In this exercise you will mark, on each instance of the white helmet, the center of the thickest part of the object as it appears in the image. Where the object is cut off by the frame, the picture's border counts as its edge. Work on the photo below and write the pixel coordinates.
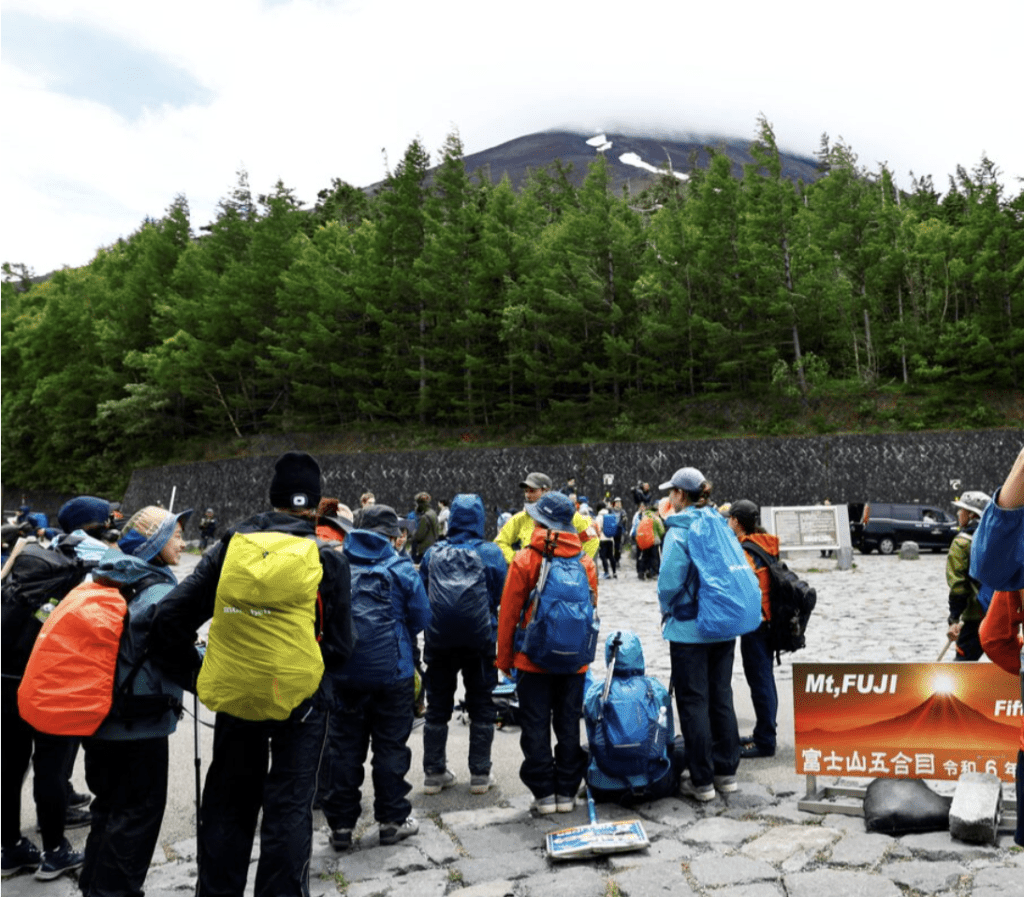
(974, 502)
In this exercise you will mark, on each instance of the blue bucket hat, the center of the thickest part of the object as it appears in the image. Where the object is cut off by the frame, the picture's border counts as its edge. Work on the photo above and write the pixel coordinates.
(149, 530)
(553, 510)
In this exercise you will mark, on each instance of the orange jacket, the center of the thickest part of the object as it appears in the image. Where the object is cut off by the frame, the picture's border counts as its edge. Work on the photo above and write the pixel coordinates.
(770, 544)
(522, 577)
(1000, 635)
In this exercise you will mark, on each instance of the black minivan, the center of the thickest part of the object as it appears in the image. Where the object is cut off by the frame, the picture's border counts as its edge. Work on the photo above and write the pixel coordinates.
(884, 526)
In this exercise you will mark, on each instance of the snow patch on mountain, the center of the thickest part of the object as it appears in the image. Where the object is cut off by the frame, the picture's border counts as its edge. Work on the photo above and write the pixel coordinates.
(601, 143)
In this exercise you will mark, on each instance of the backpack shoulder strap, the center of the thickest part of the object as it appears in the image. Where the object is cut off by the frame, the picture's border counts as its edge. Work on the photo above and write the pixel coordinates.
(758, 552)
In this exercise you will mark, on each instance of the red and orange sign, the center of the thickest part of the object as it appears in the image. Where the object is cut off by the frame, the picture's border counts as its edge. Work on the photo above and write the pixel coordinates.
(906, 720)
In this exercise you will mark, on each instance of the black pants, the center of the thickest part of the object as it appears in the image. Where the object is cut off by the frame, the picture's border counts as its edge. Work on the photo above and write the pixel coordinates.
(546, 701)
(479, 678)
(129, 782)
(51, 757)
(273, 765)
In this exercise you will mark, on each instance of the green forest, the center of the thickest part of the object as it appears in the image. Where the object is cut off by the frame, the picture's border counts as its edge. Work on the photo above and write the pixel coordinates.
(448, 307)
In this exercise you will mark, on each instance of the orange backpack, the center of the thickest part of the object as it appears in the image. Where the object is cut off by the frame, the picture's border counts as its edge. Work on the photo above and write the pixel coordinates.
(645, 533)
(68, 686)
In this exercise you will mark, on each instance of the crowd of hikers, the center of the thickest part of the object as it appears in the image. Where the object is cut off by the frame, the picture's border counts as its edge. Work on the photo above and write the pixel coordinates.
(330, 631)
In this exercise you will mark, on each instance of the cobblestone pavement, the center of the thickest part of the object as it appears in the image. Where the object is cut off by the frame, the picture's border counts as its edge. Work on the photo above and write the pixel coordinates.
(754, 843)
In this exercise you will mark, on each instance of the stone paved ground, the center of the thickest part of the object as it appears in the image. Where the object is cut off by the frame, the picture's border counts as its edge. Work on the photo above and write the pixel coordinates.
(754, 843)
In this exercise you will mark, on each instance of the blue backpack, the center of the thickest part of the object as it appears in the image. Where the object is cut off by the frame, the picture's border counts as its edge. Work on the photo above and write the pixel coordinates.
(459, 602)
(728, 594)
(376, 657)
(610, 525)
(562, 633)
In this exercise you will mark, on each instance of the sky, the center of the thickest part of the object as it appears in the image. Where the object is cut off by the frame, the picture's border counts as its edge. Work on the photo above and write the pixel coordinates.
(112, 108)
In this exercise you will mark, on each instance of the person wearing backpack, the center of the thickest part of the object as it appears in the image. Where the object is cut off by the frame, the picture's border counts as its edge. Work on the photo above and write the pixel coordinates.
(550, 649)
(634, 756)
(373, 690)
(126, 759)
(280, 608)
(607, 523)
(756, 647)
(463, 576)
(701, 666)
(647, 534)
(38, 579)
(426, 531)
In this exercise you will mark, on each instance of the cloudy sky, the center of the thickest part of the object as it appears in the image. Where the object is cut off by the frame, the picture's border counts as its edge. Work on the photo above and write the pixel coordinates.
(113, 107)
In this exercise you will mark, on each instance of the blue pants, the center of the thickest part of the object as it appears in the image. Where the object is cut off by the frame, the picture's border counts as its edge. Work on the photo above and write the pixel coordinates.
(702, 678)
(381, 716)
(271, 764)
(756, 652)
(479, 677)
(546, 701)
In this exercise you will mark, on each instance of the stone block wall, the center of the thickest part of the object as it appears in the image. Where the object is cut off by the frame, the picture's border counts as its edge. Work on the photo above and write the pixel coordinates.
(925, 467)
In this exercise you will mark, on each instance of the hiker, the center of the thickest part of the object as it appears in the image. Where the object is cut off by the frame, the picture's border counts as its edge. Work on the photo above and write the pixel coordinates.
(516, 532)
(701, 668)
(549, 699)
(997, 561)
(267, 747)
(126, 759)
(59, 806)
(463, 576)
(207, 529)
(647, 534)
(426, 531)
(756, 647)
(607, 523)
(333, 520)
(634, 756)
(444, 514)
(374, 690)
(965, 605)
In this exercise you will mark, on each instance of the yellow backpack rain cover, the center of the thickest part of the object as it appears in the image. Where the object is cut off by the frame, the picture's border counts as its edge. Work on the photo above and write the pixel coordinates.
(262, 659)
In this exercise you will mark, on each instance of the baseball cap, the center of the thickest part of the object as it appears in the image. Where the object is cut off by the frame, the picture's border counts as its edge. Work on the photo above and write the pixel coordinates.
(745, 511)
(689, 479)
(536, 481)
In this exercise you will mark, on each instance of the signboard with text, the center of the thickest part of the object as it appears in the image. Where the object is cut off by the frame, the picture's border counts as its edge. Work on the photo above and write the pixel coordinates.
(906, 720)
(824, 527)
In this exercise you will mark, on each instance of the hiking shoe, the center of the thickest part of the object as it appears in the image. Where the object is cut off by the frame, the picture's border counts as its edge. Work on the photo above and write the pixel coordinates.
(393, 832)
(750, 751)
(341, 839)
(56, 862)
(702, 793)
(436, 782)
(23, 855)
(79, 800)
(545, 806)
(564, 804)
(726, 784)
(76, 817)
(481, 784)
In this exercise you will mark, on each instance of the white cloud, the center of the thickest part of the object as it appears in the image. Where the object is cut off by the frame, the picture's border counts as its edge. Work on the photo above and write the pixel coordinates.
(313, 89)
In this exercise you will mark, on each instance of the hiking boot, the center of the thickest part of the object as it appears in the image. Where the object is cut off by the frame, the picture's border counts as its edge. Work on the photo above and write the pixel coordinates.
(341, 839)
(436, 782)
(56, 862)
(481, 784)
(393, 832)
(79, 800)
(726, 784)
(564, 804)
(751, 751)
(702, 793)
(75, 817)
(22, 856)
(545, 806)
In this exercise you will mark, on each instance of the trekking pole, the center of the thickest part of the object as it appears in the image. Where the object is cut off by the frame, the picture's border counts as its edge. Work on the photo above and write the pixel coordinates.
(199, 763)
(19, 547)
(608, 675)
(945, 648)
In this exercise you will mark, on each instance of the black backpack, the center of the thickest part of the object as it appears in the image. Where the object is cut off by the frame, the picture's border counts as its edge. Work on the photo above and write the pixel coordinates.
(791, 600)
(40, 576)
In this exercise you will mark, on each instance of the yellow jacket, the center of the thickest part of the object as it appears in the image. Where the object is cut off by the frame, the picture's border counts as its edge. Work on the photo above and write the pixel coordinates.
(520, 529)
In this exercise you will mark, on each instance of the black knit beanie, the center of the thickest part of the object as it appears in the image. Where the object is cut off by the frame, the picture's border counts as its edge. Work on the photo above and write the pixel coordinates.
(296, 482)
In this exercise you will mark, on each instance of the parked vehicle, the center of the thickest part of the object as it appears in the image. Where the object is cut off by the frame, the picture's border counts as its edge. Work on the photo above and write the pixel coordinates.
(884, 526)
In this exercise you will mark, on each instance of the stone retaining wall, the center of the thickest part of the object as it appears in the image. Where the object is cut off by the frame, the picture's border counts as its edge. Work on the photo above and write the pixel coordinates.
(925, 467)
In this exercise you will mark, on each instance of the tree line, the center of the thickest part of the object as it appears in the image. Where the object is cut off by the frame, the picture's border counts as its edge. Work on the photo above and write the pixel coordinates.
(447, 300)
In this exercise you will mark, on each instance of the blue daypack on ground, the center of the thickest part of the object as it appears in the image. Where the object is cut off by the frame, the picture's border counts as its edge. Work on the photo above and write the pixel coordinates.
(459, 601)
(630, 729)
(562, 633)
(728, 594)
